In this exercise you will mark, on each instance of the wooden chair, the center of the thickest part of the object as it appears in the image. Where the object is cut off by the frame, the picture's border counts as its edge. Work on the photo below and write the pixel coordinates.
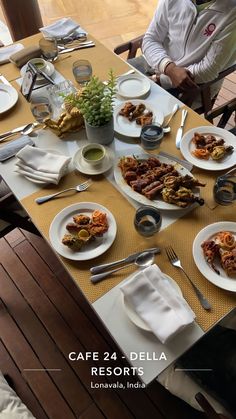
(9, 214)
(225, 111)
(131, 48)
(207, 408)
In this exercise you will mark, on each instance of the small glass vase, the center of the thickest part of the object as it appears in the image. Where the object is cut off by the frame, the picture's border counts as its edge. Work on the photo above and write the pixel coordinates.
(100, 135)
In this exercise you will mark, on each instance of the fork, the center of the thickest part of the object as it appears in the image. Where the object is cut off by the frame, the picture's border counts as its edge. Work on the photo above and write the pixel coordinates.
(175, 261)
(79, 188)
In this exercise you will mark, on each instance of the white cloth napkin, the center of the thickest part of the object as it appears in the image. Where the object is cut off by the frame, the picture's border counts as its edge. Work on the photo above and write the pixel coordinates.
(61, 28)
(156, 300)
(41, 165)
(6, 52)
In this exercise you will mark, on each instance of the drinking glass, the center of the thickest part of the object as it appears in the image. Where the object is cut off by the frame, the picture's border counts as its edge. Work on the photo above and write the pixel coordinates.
(224, 190)
(147, 220)
(49, 48)
(82, 70)
(40, 108)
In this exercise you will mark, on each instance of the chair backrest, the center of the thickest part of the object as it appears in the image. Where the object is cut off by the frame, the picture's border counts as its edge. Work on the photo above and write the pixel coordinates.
(131, 47)
(225, 111)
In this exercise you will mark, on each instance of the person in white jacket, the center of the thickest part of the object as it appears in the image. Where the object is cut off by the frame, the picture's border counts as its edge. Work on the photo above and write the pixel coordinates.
(189, 42)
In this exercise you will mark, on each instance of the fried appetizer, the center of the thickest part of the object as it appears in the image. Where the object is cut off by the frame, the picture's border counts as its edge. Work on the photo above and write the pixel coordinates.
(85, 229)
(211, 250)
(81, 219)
(225, 240)
(72, 242)
(223, 248)
(228, 261)
(151, 177)
(207, 146)
(137, 113)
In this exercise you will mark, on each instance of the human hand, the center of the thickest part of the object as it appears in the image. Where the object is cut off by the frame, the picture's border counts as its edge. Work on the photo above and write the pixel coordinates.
(180, 77)
(156, 79)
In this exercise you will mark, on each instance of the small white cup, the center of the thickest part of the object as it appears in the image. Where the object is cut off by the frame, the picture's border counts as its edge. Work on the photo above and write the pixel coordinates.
(39, 63)
(93, 154)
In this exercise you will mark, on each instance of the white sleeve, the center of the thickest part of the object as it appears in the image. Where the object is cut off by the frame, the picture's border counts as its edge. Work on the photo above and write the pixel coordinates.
(222, 53)
(152, 47)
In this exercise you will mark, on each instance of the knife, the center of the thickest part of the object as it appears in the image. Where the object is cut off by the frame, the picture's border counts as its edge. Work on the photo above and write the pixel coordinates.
(4, 80)
(78, 47)
(13, 131)
(128, 259)
(180, 130)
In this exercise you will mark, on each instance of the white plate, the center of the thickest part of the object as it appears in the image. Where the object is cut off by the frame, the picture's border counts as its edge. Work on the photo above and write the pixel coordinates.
(134, 317)
(222, 280)
(187, 146)
(93, 249)
(133, 86)
(159, 203)
(130, 129)
(8, 97)
(87, 169)
(49, 70)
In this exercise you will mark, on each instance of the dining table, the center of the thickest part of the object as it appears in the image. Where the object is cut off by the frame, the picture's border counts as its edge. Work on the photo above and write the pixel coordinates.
(179, 228)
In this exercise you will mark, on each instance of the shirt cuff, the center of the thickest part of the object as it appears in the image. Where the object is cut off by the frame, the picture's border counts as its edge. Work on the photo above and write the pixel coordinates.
(165, 82)
(163, 64)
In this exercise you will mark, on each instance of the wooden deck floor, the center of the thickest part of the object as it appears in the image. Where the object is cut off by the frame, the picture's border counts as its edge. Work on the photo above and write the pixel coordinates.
(43, 317)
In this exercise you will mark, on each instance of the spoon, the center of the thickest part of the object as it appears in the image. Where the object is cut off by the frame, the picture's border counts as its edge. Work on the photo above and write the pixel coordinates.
(166, 128)
(144, 260)
(25, 131)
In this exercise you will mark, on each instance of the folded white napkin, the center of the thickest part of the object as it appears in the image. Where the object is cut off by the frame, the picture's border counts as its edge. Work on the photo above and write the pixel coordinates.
(156, 300)
(61, 28)
(38, 164)
(6, 52)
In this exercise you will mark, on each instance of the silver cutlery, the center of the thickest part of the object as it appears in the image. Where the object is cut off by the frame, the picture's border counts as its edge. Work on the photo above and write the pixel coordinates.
(62, 47)
(179, 134)
(142, 261)
(78, 47)
(4, 80)
(175, 109)
(16, 130)
(79, 188)
(175, 261)
(128, 259)
(25, 131)
(184, 163)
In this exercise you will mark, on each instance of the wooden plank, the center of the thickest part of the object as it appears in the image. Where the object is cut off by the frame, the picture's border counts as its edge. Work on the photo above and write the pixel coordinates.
(39, 381)
(7, 366)
(72, 315)
(41, 342)
(92, 413)
(60, 332)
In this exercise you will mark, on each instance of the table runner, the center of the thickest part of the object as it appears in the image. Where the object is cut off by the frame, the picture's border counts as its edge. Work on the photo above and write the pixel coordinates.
(179, 234)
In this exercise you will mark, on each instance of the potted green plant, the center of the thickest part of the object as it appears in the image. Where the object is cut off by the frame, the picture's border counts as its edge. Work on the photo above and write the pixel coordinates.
(95, 102)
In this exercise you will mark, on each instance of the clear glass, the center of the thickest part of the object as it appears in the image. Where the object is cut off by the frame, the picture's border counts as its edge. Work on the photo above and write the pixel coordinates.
(147, 220)
(151, 136)
(49, 48)
(82, 70)
(40, 108)
(57, 93)
(224, 190)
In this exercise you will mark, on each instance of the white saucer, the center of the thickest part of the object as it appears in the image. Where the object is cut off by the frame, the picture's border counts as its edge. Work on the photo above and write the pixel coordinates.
(133, 86)
(87, 169)
(49, 70)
